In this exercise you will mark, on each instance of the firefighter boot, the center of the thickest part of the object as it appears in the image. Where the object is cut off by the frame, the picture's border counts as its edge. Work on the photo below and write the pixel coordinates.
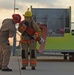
(33, 68)
(33, 60)
(23, 68)
(24, 62)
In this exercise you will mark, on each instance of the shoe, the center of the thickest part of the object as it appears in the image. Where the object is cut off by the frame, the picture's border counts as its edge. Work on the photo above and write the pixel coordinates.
(23, 68)
(6, 69)
(28, 53)
(33, 68)
(0, 68)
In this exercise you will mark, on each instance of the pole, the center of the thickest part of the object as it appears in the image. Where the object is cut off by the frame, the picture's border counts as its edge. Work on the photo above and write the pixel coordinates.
(14, 44)
(14, 6)
(14, 38)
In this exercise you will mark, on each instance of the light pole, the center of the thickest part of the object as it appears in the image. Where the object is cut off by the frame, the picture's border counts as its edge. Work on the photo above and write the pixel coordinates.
(14, 38)
(14, 6)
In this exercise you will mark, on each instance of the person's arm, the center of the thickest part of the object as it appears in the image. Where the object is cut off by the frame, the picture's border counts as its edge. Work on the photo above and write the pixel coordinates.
(37, 34)
(37, 28)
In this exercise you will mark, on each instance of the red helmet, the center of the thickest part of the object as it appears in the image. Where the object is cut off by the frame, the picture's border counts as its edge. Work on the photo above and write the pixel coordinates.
(16, 18)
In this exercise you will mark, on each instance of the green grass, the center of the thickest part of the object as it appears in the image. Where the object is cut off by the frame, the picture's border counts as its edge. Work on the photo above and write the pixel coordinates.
(60, 43)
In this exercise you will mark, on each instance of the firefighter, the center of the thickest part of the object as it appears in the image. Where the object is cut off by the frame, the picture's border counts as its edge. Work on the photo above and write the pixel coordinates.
(7, 31)
(30, 35)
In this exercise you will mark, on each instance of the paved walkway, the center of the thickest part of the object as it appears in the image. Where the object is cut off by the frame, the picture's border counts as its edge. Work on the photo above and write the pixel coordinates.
(43, 68)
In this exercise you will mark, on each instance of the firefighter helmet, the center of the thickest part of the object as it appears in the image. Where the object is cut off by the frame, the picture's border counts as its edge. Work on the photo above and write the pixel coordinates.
(28, 13)
(16, 18)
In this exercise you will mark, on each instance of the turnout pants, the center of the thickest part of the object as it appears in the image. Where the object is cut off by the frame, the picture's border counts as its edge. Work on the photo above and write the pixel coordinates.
(32, 48)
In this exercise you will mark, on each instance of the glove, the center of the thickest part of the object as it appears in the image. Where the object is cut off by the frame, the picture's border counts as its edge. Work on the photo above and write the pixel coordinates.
(41, 41)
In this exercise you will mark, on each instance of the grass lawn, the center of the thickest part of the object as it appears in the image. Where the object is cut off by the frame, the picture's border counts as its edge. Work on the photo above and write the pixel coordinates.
(60, 43)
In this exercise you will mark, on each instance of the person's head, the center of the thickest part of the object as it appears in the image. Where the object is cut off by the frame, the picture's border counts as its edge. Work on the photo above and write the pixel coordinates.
(27, 15)
(16, 18)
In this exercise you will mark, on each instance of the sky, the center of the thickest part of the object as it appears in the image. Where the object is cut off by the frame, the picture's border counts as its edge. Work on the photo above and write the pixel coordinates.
(7, 6)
